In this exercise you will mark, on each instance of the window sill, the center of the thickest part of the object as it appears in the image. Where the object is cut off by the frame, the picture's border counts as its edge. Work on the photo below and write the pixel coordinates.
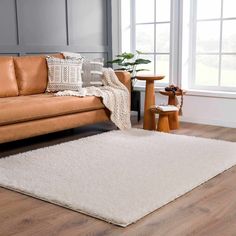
(198, 93)
(210, 93)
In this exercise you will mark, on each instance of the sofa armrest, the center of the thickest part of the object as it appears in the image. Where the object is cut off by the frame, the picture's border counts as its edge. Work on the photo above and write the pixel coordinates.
(124, 78)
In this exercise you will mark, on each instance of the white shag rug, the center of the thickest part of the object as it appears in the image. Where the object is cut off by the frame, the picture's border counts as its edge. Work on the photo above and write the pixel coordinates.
(119, 176)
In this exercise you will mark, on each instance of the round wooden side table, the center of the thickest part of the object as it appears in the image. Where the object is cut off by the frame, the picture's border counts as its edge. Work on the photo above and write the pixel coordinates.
(149, 117)
(173, 118)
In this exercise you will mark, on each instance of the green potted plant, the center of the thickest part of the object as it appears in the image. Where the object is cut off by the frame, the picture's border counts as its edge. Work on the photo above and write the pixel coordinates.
(131, 63)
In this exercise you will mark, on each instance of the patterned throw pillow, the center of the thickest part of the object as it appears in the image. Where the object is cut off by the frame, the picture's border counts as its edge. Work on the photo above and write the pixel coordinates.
(71, 55)
(91, 69)
(64, 74)
(92, 72)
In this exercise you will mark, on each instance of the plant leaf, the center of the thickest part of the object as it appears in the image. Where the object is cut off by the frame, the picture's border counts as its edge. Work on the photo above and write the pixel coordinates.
(122, 69)
(139, 52)
(128, 64)
(141, 70)
(126, 55)
(141, 61)
(115, 61)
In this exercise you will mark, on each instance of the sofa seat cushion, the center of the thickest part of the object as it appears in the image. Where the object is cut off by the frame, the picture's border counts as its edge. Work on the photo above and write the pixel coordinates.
(33, 107)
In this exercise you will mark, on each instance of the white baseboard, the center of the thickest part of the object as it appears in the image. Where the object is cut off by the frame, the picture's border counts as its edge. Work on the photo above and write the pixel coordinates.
(222, 123)
(229, 124)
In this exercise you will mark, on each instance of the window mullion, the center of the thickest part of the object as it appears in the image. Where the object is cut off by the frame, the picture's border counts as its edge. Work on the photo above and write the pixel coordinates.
(155, 46)
(172, 45)
(133, 25)
(220, 48)
(193, 41)
(175, 42)
(179, 37)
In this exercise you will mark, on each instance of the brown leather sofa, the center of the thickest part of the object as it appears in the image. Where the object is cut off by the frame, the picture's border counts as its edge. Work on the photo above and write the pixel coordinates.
(27, 111)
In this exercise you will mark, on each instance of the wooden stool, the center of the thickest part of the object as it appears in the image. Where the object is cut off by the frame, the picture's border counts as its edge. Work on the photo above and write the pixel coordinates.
(163, 124)
(174, 117)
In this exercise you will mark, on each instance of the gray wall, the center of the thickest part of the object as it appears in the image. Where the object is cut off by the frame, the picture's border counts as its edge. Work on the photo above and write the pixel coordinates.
(49, 26)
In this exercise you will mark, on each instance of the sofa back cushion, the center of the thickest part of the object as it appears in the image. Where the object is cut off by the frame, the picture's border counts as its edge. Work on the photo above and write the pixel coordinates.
(31, 74)
(8, 84)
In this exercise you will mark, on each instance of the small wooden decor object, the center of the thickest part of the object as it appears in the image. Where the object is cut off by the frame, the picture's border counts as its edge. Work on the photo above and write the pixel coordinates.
(174, 117)
(149, 117)
(163, 124)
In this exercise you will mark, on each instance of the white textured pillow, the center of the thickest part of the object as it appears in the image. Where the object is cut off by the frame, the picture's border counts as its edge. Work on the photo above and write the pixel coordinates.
(64, 74)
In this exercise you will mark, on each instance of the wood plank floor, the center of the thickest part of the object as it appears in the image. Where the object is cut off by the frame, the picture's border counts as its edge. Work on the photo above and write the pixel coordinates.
(209, 210)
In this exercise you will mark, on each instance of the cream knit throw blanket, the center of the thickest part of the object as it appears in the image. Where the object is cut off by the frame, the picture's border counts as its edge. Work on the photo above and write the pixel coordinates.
(115, 97)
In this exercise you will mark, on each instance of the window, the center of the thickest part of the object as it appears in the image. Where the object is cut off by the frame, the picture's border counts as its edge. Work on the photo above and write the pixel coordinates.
(213, 45)
(151, 33)
(191, 42)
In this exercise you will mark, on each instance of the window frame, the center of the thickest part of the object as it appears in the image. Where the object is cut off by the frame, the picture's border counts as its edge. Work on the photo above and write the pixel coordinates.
(193, 53)
(181, 65)
(174, 44)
